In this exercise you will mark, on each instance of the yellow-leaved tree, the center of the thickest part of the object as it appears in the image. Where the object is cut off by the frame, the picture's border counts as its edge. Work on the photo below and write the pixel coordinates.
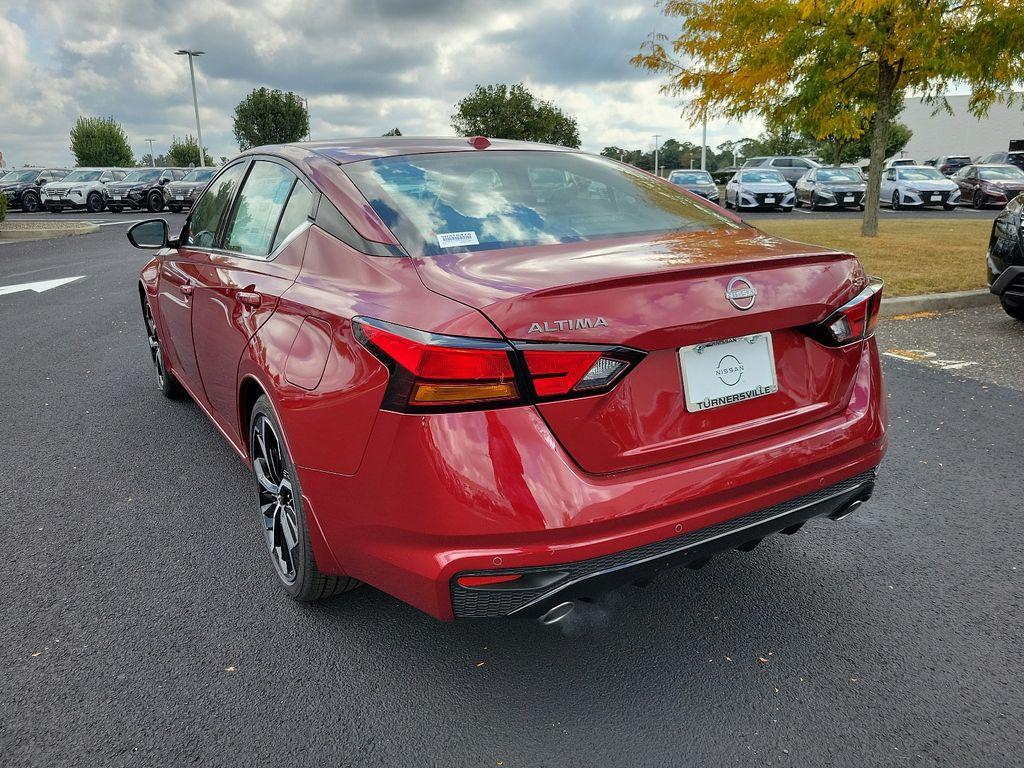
(841, 66)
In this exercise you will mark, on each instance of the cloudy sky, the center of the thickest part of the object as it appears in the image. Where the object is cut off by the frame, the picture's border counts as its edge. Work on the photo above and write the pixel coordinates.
(365, 66)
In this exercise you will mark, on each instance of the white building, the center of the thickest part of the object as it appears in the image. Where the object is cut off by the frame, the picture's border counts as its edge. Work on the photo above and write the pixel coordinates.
(960, 133)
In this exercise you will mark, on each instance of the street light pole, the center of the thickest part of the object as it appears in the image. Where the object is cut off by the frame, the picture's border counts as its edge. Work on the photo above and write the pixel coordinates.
(195, 101)
(704, 143)
(656, 137)
(152, 160)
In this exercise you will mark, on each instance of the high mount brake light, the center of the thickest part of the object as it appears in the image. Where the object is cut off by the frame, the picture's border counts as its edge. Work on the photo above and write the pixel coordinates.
(434, 372)
(854, 321)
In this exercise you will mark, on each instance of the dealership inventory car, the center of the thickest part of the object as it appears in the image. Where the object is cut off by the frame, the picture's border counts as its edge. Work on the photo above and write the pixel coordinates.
(181, 194)
(490, 398)
(759, 188)
(142, 188)
(917, 186)
(1006, 258)
(23, 187)
(1013, 157)
(82, 188)
(790, 166)
(698, 182)
(987, 185)
(831, 187)
(950, 164)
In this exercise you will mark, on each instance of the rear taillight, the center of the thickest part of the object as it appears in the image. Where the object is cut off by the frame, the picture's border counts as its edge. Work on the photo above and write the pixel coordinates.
(431, 372)
(854, 321)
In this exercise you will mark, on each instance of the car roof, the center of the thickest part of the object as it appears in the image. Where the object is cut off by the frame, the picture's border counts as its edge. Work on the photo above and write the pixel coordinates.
(344, 151)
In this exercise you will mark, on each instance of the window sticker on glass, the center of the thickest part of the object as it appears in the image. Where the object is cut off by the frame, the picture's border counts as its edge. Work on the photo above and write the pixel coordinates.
(453, 239)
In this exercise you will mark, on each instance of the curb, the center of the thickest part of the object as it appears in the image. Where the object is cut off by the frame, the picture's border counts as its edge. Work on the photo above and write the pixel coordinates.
(936, 302)
(19, 234)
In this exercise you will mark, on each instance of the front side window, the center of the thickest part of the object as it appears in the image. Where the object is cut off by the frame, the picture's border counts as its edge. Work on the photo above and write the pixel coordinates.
(260, 204)
(782, 162)
(206, 216)
(443, 202)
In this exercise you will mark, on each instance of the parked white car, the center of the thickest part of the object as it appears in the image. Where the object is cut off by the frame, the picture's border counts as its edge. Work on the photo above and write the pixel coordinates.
(82, 188)
(916, 186)
(759, 188)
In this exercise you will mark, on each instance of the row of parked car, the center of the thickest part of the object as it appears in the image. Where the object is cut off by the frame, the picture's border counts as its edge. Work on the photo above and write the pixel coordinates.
(98, 189)
(785, 183)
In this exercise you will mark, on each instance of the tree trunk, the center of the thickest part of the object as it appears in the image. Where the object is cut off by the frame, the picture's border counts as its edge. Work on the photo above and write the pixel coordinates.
(837, 151)
(888, 77)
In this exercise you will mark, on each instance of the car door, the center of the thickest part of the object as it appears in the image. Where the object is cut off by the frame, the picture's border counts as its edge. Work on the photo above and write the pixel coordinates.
(238, 283)
(965, 180)
(180, 269)
(888, 185)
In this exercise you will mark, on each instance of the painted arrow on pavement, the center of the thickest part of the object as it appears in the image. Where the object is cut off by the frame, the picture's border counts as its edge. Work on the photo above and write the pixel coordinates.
(43, 285)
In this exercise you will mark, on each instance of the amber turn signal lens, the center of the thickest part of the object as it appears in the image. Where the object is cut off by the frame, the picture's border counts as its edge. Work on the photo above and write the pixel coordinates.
(425, 393)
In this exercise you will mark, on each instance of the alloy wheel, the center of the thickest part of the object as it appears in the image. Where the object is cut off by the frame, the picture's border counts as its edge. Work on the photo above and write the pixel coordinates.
(154, 345)
(979, 200)
(29, 203)
(276, 499)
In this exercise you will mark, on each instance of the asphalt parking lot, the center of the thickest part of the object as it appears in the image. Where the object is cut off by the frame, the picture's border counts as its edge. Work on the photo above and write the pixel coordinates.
(143, 625)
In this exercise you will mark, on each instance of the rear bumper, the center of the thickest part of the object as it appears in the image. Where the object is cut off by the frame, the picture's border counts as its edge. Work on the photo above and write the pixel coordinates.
(440, 495)
(549, 586)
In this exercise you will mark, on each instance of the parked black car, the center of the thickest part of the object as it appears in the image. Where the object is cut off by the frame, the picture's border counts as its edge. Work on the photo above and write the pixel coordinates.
(790, 166)
(1003, 158)
(181, 194)
(699, 182)
(22, 186)
(142, 188)
(831, 187)
(1006, 258)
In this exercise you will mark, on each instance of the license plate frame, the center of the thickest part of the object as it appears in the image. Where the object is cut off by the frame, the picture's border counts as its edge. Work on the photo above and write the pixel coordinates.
(711, 380)
(936, 198)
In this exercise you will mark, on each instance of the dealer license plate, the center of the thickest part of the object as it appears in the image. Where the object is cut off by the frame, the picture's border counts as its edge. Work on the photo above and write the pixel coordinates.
(179, 197)
(769, 199)
(730, 371)
(848, 199)
(936, 198)
(115, 197)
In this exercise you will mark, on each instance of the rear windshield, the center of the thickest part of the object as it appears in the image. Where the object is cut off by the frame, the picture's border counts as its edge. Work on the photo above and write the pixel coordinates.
(958, 159)
(446, 202)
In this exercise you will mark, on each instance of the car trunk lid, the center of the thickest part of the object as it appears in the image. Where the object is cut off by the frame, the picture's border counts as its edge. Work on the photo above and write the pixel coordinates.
(659, 295)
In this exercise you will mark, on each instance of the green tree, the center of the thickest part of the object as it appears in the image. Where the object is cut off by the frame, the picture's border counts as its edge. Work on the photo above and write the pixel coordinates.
(185, 152)
(100, 141)
(764, 57)
(899, 136)
(392, 132)
(270, 117)
(512, 112)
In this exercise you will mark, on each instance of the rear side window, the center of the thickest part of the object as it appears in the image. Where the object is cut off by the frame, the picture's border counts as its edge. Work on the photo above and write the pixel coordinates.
(446, 202)
(203, 223)
(296, 213)
(260, 204)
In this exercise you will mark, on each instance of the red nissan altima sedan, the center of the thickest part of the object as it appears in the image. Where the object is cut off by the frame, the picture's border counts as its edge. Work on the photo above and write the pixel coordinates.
(494, 378)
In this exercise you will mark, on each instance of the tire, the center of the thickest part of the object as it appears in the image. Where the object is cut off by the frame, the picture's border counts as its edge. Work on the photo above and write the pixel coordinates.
(860, 207)
(116, 208)
(978, 201)
(154, 202)
(282, 515)
(94, 202)
(949, 207)
(165, 381)
(798, 202)
(786, 208)
(1016, 312)
(896, 206)
(174, 208)
(812, 205)
(30, 201)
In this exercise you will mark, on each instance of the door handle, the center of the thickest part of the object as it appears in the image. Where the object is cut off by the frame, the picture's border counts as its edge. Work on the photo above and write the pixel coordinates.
(249, 298)
(187, 288)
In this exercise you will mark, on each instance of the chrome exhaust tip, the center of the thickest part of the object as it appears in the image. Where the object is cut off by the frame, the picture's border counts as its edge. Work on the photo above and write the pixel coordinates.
(853, 506)
(558, 613)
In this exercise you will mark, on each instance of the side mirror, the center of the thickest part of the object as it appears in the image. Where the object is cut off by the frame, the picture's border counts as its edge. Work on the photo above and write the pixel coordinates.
(40, 182)
(164, 181)
(149, 235)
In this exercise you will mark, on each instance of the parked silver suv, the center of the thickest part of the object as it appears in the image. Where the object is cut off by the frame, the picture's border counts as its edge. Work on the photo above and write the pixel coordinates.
(790, 166)
(82, 188)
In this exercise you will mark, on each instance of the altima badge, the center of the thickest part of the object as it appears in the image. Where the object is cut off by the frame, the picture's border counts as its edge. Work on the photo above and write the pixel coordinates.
(741, 293)
(578, 324)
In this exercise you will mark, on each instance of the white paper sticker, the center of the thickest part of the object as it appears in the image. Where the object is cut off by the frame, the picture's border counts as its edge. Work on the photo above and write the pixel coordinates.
(453, 239)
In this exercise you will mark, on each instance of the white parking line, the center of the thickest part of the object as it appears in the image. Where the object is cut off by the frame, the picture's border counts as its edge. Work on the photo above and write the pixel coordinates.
(801, 210)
